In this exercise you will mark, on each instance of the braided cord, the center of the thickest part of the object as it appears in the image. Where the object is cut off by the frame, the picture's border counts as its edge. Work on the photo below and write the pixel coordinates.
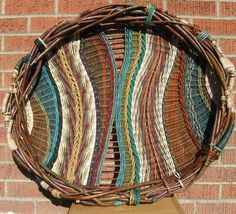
(135, 112)
(143, 40)
(130, 174)
(142, 44)
(89, 132)
(78, 105)
(57, 167)
(121, 79)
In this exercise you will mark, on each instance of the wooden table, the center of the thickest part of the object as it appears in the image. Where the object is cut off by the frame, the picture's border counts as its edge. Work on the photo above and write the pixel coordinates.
(167, 205)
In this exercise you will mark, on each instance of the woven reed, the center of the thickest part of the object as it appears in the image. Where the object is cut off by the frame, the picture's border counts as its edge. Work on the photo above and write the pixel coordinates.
(125, 104)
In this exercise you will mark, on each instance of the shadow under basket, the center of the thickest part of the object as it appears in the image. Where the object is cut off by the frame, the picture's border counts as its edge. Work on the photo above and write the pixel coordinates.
(125, 104)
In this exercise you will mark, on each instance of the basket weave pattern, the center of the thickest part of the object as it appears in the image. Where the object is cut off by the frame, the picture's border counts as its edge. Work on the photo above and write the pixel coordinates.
(124, 105)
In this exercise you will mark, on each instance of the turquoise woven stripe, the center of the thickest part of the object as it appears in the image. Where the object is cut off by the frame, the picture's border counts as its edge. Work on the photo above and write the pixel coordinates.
(221, 145)
(197, 109)
(119, 203)
(113, 107)
(121, 80)
(23, 60)
(136, 196)
(47, 93)
(188, 97)
(131, 134)
(151, 11)
(202, 36)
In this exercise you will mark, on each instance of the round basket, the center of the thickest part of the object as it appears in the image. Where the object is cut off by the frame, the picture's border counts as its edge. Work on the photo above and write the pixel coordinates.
(125, 104)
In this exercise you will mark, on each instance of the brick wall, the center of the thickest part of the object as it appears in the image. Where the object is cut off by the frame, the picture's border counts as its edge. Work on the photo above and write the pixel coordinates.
(21, 21)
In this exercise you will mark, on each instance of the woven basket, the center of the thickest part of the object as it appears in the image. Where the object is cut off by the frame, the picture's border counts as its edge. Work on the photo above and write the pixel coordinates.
(124, 105)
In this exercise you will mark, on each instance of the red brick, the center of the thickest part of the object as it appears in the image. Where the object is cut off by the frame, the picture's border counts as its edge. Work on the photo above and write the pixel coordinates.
(228, 156)
(229, 191)
(9, 156)
(228, 9)
(19, 43)
(2, 95)
(76, 7)
(216, 26)
(205, 8)
(23, 189)
(1, 41)
(1, 120)
(41, 24)
(10, 171)
(5, 154)
(13, 25)
(8, 61)
(1, 79)
(216, 163)
(215, 208)
(1, 189)
(7, 76)
(233, 60)
(29, 7)
(48, 207)
(5, 80)
(219, 174)
(19, 207)
(202, 191)
(228, 46)
(234, 99)
(188, 208)
(3, 136)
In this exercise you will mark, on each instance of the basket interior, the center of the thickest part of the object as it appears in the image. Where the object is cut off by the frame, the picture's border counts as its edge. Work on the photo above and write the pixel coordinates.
(121, 106)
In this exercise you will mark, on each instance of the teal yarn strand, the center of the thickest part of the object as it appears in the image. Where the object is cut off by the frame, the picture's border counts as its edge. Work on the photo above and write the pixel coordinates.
(113, 107)
(136, 196)
(119, 203)
(54, 118)
(151, 10)
(132, 140)
(196, 120)
(199, 109)
(24, 59)
(123, 72)
(202, 36)
(131, 134)
(221, 145)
